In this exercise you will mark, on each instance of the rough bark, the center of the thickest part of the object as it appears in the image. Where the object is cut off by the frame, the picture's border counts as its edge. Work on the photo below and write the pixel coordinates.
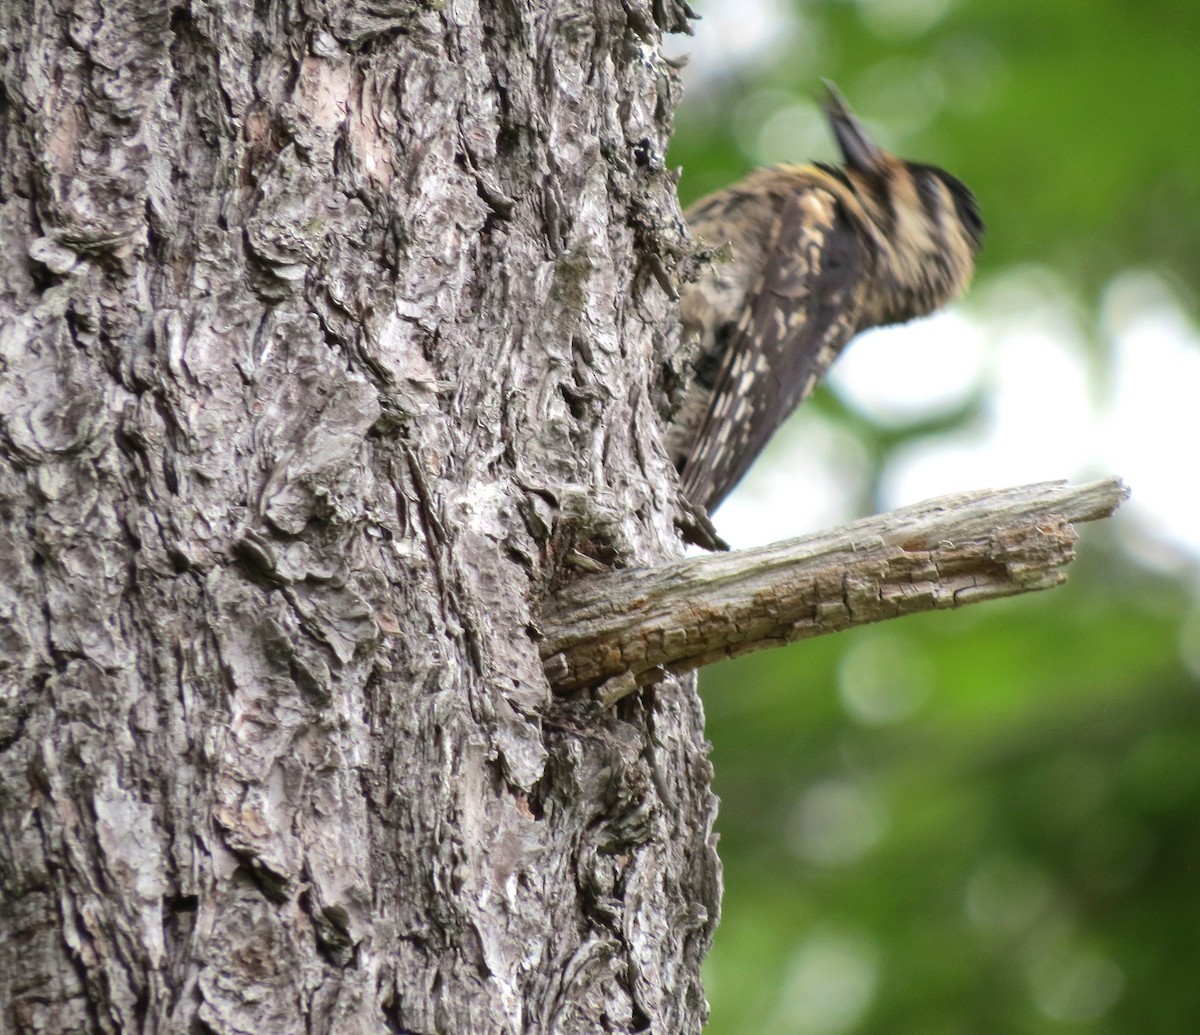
(329, 330)
(615, 632)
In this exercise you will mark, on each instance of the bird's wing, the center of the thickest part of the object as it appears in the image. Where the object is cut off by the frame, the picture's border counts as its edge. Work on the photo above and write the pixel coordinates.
(796, 320)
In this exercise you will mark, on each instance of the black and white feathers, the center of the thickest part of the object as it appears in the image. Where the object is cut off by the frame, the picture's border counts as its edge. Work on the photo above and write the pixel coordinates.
(818, 254)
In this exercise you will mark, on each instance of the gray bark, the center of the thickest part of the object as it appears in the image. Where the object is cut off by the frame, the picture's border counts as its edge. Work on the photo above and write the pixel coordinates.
(331, 330)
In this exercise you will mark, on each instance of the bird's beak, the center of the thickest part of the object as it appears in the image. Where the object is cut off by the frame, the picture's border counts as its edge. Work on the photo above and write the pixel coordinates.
(859, 151)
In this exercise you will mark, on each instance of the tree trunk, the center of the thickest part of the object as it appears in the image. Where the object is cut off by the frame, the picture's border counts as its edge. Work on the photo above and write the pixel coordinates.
(333, 332)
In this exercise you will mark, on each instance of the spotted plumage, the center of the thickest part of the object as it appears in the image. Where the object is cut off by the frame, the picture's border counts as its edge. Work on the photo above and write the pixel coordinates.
(818, 254)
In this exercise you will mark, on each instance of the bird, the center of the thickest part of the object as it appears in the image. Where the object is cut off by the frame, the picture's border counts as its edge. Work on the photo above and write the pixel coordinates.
(813, 254)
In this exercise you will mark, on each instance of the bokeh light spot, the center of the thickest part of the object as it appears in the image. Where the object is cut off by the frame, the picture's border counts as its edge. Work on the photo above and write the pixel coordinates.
(1006, 895)
(829, 984)
(894, 19)
(836, 822)
(883, 678)
(1074, 985)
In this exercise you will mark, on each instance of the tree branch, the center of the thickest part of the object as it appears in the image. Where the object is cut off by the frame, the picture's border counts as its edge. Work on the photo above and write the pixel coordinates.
(619, 630)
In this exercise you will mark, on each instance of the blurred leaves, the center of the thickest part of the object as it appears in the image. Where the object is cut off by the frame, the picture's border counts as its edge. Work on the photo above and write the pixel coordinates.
(987, 821)
(1001, 808)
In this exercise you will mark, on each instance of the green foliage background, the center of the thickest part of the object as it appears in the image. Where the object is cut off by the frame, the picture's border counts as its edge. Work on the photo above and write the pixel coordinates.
(987, 821)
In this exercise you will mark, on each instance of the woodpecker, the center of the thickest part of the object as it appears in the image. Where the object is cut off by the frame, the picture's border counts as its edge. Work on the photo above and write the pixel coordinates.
(815, 254)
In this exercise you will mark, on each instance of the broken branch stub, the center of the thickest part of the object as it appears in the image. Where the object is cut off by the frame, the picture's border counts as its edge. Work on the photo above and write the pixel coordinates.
(616, 631)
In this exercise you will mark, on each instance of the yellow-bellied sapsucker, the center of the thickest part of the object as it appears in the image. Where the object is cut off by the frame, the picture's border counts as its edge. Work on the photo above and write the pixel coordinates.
(818, 254)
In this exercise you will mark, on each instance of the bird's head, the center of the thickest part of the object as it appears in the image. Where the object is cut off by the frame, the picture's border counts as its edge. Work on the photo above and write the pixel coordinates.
(927, 221)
